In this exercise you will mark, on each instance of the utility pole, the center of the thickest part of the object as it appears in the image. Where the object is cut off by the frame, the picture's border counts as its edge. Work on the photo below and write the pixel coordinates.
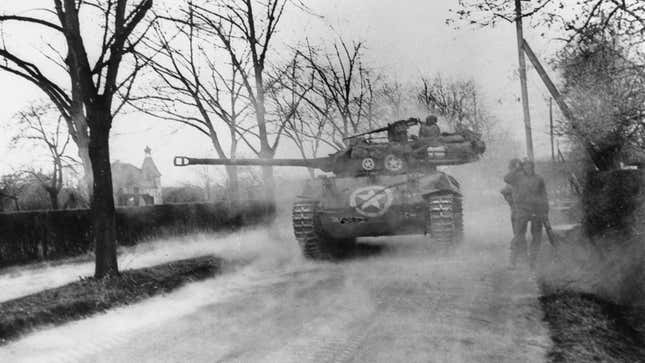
(551, 128)
(475, 107)
(522, 69)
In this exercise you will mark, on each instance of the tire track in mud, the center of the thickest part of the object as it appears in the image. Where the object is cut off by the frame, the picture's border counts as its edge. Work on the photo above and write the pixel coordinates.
(331, 334)
(345, 336)
(343, 348)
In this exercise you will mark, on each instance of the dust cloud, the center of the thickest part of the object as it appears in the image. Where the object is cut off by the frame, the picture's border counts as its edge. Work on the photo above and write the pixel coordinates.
(259, 256)
(397, 292)
(610, 270)
(266, 245)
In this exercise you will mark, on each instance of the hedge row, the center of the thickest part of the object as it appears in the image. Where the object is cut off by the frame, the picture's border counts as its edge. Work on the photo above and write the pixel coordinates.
(614, 201)
(31, 236)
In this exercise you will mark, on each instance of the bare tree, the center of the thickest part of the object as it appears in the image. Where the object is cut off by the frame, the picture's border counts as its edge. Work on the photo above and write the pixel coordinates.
(456, 100)
(67, 100)
(94, 83)
(606, 92)
(11, 186)
(246, 29)
(287, 90)
(321, 98)
(342, 80)
(38, 126)
(194, 90)
(395, 100)
(575, 18)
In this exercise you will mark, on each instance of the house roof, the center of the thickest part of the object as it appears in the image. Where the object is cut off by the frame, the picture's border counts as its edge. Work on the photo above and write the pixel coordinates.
(126, 175)
(149, 167)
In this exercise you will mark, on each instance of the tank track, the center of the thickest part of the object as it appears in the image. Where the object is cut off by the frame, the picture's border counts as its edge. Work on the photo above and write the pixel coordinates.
(445, 218)
(311, 242)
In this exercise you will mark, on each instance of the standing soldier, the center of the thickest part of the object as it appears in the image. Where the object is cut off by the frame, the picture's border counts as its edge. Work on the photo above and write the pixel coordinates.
(430, 129)
(530, 203)
(507, 192)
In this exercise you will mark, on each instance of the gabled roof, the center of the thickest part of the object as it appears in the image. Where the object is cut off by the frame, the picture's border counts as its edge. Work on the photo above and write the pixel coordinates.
(149, 167)
(125, 175)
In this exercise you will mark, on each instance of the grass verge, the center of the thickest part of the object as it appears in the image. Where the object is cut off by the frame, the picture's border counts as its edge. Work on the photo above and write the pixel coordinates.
(89, 296)
(585, 328)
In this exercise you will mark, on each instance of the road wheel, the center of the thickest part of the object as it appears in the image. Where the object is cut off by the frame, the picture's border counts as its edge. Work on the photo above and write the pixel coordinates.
(311, 242)
(445, 219)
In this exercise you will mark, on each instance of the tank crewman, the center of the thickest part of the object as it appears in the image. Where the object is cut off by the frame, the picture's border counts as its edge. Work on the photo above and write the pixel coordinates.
(530, 204)
(430, 129)
(507, 191)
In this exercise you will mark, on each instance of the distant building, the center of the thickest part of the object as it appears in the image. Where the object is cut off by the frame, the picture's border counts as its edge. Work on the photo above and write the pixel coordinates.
(137, 186)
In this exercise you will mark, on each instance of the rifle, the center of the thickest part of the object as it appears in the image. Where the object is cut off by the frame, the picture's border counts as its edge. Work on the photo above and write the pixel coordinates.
(549, 232)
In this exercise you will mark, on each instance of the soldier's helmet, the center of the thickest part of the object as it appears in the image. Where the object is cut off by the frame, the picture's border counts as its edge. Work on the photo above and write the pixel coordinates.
(528, 163)
(514, 163)
(431, 120)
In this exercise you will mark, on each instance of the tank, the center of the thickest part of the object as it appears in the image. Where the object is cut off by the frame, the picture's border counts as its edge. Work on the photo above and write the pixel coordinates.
(379, 185)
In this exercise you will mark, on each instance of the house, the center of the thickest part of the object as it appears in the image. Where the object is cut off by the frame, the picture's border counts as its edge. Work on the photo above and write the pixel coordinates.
(137, 186)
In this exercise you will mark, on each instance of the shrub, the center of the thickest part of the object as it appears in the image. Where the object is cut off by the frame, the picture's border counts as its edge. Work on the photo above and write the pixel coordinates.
(613, 201)
(36, 235)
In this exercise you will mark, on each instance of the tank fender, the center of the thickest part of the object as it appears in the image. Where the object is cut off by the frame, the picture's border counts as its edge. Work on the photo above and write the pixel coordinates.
(439, 183)
(312, 189)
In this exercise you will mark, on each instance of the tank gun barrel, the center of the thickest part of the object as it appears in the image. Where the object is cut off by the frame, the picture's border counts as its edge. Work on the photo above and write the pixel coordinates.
(324, 164)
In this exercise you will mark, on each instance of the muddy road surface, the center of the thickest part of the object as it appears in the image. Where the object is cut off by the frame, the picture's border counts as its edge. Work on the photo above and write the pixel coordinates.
(394, 300)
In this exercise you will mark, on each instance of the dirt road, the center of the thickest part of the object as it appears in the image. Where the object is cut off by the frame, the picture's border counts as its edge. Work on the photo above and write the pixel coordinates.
(396, 300)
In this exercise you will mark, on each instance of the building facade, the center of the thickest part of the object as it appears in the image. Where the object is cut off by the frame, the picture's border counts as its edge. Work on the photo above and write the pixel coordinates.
(135, 186)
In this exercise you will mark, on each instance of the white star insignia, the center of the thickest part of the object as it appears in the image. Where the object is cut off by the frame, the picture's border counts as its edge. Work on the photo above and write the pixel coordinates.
(371, 199)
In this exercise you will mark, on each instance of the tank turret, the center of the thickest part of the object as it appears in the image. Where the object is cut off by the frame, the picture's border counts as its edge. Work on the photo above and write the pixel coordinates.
(367, 154)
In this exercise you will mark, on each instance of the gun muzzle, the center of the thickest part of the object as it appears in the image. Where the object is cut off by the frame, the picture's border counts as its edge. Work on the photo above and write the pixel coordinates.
(181, 161)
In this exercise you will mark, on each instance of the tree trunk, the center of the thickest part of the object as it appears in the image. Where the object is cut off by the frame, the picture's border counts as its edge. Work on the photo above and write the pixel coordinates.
(53, 198)
(103, 213)
(269, 184)
(233, 183)
(78, 126)
(84, 154)
(267, 177)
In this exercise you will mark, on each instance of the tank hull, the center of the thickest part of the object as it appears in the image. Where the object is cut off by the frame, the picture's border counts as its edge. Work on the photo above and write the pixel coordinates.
(332, 212)
(399, 220)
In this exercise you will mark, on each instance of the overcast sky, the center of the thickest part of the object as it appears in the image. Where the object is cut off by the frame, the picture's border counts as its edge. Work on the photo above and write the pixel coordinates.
(404, 39)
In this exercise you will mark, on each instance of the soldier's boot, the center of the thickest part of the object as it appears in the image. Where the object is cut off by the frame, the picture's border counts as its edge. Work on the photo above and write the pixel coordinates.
(518, 252)
(534, 253)
(536, 242)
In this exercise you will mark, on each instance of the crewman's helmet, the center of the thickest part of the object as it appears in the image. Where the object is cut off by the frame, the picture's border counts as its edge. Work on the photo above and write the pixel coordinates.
(431, 120)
